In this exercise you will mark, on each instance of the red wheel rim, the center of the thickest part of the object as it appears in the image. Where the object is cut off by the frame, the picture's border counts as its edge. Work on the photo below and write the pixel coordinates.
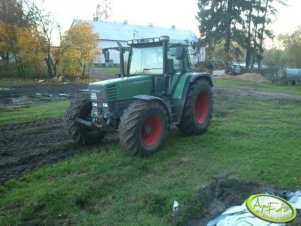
(201, 107)
(151, 130)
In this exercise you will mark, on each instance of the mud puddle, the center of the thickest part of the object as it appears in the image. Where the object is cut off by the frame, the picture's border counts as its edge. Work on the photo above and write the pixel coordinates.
(29, 145)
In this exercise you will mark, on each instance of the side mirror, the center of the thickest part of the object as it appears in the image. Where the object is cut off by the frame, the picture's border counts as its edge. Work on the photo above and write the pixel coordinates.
(180, 52)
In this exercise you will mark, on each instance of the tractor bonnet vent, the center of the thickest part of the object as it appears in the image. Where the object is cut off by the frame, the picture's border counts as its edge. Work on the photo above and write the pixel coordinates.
(111, 92)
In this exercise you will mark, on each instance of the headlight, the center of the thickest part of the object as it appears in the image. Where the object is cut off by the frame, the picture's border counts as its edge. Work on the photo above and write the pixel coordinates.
(105, 105)
(94, 104)
(93, 96)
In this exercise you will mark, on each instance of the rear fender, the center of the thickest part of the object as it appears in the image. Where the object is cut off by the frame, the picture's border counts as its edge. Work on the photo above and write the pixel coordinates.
(180, 103)
(203, 75)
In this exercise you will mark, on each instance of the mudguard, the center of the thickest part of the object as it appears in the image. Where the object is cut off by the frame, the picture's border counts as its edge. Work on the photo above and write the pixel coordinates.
(153, 98)
(205, 75)
(180, 103)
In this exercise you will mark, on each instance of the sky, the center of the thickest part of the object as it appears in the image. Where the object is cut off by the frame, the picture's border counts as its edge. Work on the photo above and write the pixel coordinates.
(164, 13)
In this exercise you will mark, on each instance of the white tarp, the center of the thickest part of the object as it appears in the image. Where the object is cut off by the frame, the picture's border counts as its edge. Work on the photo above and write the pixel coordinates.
(241, 216)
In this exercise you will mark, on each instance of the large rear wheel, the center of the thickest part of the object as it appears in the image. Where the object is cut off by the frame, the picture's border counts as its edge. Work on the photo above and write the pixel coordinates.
(143, 127)
(81, 107)
(197, 111)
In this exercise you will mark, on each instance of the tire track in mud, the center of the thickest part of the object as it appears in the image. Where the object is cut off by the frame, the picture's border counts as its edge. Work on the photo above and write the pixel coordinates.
(30, 145)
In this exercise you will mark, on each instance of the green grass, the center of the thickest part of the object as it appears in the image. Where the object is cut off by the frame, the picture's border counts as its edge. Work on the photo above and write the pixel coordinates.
(260, 86)
(108, 70)
(23, 114)
(252, 140)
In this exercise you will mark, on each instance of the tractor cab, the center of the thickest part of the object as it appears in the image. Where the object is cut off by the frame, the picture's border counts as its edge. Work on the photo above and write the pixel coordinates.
(159, 58)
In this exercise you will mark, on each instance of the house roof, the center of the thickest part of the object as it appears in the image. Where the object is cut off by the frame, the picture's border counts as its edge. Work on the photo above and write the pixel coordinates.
(124, 31)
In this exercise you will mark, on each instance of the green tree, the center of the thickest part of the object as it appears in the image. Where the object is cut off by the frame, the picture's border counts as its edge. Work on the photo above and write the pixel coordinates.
(274, 57)
(218, 21)
(292, 45)
(209, 16)
(242, 22)
(78, 50)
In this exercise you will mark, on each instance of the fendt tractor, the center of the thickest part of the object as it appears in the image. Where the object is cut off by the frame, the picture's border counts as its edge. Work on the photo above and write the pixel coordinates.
(158, 91)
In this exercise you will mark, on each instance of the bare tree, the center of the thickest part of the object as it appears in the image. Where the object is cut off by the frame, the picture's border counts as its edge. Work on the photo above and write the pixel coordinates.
(103, 10)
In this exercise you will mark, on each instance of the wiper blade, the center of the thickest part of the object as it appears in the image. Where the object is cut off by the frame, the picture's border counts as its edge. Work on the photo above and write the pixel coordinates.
(154, 68)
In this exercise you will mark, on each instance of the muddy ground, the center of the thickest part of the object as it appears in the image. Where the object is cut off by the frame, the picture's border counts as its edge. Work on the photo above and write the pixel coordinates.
(30, 145)
(28, 95)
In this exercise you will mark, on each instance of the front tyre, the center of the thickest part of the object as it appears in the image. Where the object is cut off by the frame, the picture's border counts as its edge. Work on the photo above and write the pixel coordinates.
(197, 111)
(143, 128)
(81, 107)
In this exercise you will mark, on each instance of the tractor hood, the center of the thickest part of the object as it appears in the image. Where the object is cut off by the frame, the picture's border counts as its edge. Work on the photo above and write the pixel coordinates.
(121, 88)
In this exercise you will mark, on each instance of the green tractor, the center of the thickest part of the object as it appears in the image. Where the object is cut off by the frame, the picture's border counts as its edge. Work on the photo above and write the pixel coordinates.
(158, 91)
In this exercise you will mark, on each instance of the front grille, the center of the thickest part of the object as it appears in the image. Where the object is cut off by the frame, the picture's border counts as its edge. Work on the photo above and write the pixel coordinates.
(111, 92)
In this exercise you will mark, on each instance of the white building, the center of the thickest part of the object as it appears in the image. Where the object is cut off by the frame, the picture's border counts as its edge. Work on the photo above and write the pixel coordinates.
(111, 32)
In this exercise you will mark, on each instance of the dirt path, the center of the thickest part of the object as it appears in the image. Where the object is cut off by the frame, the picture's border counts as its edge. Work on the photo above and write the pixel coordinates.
(258, 95)
(28, 95)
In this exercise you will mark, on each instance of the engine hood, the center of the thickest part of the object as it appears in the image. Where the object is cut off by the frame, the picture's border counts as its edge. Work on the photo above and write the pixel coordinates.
(121, 88)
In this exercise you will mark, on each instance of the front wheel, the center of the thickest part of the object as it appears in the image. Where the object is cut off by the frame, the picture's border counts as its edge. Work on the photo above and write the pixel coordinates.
(197, 111)
(143, 128)
(81, 107)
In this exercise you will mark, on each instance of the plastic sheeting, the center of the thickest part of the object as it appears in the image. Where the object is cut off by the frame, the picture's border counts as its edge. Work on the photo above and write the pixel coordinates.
(241, 216)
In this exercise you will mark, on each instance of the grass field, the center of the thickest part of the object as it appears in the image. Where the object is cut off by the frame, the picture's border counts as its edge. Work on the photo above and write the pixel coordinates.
(260, 86)
(24, 114)
(256, 140)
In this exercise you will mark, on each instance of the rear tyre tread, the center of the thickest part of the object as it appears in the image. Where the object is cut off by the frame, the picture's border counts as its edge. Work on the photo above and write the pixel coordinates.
(188, 125)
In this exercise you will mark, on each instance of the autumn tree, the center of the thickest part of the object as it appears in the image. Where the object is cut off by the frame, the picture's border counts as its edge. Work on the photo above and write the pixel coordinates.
(79, 48)
(31, 44)
(11, 16)
(45, 25)
(20, 36)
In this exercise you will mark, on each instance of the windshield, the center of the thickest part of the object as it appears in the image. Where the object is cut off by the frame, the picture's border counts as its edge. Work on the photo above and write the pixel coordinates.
(147, 60)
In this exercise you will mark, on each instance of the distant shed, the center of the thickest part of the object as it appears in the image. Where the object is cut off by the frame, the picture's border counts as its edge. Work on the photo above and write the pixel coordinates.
(111, 32)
